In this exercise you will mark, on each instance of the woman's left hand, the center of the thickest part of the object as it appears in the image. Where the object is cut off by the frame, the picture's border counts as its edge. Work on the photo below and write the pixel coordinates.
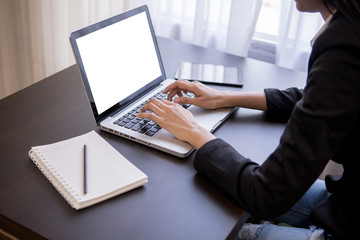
(176, 120)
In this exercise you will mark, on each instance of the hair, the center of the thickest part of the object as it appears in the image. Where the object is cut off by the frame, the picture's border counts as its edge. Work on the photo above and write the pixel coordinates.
(348, 8)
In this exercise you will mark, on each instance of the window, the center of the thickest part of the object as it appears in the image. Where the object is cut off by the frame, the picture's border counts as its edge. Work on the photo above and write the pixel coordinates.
(267, 27)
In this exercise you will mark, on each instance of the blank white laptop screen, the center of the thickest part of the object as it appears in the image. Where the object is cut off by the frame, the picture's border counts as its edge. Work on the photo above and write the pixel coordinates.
(118, 60)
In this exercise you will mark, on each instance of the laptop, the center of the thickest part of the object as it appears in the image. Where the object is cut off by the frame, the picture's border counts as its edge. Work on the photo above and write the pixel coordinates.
(121, 68)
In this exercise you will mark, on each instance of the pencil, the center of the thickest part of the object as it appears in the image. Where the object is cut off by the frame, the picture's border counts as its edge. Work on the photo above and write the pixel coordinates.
(85, 170)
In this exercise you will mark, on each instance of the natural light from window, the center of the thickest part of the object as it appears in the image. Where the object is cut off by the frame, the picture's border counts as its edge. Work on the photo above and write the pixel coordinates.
(268, 22)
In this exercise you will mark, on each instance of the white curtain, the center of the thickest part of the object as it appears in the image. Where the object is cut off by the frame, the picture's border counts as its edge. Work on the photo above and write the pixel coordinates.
(34, 33)
(295, 33)
(34, 39)
(224, 25)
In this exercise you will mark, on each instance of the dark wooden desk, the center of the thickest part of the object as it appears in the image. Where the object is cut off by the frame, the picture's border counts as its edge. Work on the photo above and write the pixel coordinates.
(176, 203)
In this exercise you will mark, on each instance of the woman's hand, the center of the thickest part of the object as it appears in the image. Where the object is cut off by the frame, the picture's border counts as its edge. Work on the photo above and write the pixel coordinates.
(177, 120)
(205, 96)
(210, 98)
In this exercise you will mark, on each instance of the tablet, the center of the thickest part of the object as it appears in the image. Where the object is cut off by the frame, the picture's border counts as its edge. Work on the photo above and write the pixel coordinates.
(209, 73)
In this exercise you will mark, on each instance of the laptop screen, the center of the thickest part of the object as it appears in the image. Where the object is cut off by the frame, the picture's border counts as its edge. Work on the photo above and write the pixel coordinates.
(118, 60)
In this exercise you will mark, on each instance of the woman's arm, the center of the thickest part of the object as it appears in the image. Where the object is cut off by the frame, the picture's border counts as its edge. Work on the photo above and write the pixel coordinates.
(181, 123)
(253, 100)
(210, 98)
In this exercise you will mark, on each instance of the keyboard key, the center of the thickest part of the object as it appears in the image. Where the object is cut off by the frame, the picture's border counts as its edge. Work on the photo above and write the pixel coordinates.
(151, 123)
(136, 120)
(136, 127)
(126, 120)
(121, 124)
(154, 129)
(144, 121)
(150, 133)
(144, 129)
(129, 125)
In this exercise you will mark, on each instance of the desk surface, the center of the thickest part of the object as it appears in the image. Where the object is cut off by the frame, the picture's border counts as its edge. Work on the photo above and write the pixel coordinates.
(176, 203)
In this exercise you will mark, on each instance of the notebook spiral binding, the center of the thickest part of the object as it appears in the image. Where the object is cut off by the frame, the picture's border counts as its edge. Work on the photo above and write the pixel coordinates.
(55, 179)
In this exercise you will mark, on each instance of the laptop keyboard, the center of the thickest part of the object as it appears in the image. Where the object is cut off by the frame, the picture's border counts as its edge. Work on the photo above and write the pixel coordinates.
(142, 125)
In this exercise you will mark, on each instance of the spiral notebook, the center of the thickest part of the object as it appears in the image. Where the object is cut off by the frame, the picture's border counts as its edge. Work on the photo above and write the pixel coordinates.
(108, 172)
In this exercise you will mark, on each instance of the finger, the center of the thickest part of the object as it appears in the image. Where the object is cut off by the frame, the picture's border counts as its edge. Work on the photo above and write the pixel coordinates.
(166, 102)
(184, 100)
(148, 115)
(181, 85)
(166, 105)
(154, 105)
(173, 93)
(150, 106)
(172, 86)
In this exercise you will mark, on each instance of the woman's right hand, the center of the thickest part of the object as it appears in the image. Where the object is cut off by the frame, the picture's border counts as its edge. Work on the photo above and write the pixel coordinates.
(205, 97)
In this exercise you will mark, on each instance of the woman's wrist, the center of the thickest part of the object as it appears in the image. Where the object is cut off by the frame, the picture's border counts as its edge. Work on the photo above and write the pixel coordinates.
(199, 136)
(227, 99)
(253, 100)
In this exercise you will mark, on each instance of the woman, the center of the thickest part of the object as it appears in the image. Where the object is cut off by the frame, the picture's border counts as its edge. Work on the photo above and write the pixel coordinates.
(323, 123)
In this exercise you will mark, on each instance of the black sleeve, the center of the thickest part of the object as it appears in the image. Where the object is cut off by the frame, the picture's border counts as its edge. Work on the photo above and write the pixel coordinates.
(223, 164)
(281, 103)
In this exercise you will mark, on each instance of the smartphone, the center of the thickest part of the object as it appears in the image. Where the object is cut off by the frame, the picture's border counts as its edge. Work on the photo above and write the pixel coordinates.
(209, 73)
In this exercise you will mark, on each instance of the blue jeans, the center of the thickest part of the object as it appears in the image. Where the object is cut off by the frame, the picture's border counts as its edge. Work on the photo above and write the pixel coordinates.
(297, 216)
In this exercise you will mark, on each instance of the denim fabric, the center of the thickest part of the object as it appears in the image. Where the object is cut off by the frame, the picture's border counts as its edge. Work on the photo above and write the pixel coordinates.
(297, 216)
(269, 231)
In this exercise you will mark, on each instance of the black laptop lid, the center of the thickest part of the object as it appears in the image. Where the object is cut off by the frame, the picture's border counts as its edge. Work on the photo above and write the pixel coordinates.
(118, 60)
